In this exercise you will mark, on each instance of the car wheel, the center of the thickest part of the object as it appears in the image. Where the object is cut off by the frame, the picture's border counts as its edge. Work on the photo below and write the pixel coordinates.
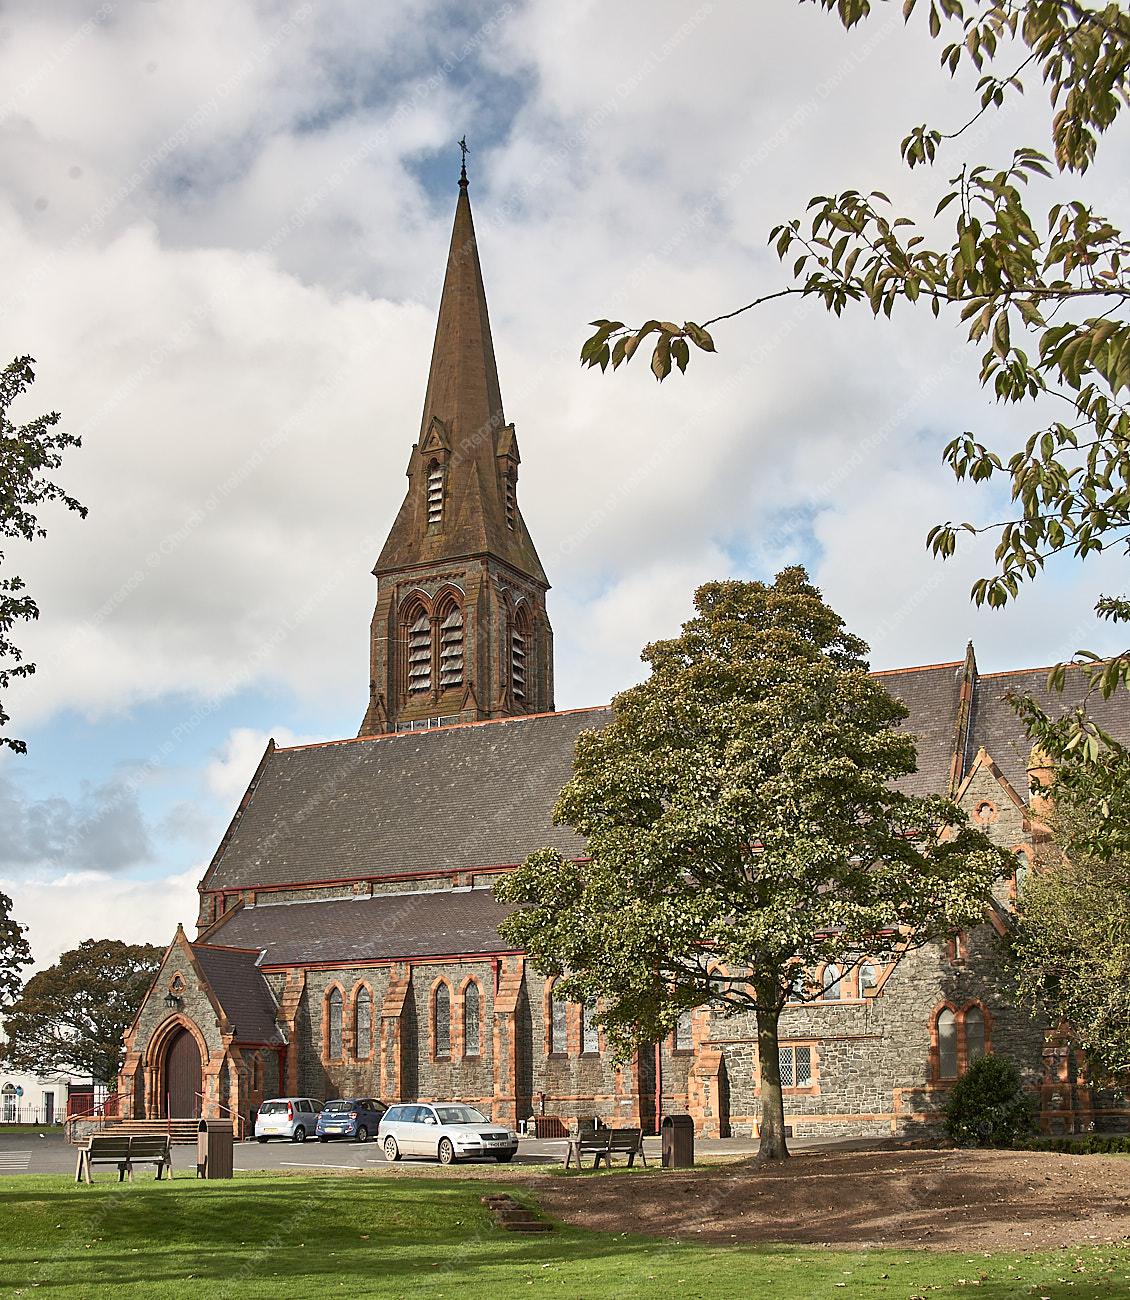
(362, 1134)
(322, 1139)
(504, 1157)
(260, 1139)
(446, 1152)
(300, 1134)
(392, 1151)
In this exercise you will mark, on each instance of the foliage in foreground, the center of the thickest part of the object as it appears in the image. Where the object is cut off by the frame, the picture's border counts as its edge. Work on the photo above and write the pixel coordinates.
(309, 1237)
(28, 454)
(70, 1017)
(988, 1106)
(743, 830)
(1094, 1144)
(15, 953)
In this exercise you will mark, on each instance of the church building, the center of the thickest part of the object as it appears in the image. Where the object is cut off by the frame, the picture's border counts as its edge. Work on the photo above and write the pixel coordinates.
(347, 939)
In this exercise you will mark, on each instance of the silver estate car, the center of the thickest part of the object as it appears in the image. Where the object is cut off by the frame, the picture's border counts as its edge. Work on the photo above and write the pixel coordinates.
(287, 1117)
(446, 1131)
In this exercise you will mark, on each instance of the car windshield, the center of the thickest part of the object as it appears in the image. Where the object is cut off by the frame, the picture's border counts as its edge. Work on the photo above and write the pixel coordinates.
(460, 1115)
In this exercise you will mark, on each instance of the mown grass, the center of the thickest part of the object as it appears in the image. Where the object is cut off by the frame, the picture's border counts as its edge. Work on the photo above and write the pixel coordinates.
(302, 1236)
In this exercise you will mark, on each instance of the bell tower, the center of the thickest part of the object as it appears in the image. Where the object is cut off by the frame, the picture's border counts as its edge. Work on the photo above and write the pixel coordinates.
(460, 631)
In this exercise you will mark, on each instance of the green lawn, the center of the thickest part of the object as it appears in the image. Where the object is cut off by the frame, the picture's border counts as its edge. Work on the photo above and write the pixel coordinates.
(302, 1236)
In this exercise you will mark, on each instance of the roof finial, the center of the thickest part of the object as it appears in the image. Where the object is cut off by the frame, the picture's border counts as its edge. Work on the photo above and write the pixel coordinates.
(463, 166)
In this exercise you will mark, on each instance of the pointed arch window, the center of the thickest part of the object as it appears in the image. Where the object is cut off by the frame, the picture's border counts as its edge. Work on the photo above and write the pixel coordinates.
(441, 1011)
(519, 653)
(684, 1032)
(946, 1028)
(868, 978)
(973, 1023)
(435, 493)
(363, 1024)
(558, 1025)
(833, 984)
(419, 651)
(451, 648)
(471, 1035)
(590, 1041)
(333, 1024)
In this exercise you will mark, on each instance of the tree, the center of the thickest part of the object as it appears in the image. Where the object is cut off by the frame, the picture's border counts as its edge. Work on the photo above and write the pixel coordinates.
(14, 952)
(27, 455)
(1046, 299)
(1071, 943)
(743, 831)
(71, 1016)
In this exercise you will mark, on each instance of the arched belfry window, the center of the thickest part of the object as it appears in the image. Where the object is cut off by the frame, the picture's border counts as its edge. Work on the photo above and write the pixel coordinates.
(435, 493)
(451, 647)
(419, 631)
(519, 653)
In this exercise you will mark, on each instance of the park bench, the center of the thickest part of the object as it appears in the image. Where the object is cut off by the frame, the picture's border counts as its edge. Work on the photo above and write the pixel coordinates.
(603, 1143)
(125, 1152)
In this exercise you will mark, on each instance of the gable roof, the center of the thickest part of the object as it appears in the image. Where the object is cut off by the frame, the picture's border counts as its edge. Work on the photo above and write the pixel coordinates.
(932, 695)
(454, 798)
(386, 927)
(242, 992)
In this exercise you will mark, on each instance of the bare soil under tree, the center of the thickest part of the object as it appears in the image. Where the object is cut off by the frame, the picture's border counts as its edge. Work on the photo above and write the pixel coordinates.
(941, 1199)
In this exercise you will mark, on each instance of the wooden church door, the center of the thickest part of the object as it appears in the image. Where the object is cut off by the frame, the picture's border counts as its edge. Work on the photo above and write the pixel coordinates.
(183, 1077)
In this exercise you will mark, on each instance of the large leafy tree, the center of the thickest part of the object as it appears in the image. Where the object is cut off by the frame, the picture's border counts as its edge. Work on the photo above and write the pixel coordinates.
(28, 455)
(14, 952)
(1044, 297)
(71, 1016)
(743, 829)
(1071, 942)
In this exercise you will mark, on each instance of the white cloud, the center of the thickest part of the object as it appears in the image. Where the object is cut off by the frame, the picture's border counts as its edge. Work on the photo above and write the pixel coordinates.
(228, 774)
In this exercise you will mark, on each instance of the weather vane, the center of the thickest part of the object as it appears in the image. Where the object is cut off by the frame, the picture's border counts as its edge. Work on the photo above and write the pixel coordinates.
(463, 166)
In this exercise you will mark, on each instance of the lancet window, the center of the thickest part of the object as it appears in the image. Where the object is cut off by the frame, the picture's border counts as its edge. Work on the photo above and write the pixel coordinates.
(435, 493)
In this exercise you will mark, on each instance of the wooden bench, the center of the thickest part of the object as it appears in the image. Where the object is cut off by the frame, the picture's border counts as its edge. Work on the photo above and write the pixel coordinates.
(125, 1152)
(603, 1143)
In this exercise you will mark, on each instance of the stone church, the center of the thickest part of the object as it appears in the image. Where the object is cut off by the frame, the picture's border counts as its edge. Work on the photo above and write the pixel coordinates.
(347, 939)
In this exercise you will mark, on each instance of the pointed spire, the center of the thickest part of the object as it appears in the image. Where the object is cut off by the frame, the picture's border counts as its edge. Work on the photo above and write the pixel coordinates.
(463, 411)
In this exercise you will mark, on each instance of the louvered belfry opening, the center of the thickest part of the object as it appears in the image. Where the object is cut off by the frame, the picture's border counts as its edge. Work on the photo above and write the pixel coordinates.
(519, 647)
(451, 649)
(511, 503)
(419, 652)
(435, 493)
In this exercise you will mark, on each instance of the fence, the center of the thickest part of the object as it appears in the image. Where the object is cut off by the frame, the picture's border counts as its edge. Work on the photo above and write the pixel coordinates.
(18, 1113)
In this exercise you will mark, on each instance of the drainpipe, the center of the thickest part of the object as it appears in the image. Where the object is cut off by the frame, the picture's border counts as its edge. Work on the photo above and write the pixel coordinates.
(658, 1084)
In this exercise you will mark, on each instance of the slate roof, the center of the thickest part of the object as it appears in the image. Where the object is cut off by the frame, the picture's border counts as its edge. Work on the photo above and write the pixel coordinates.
(241, 990)
(386, 927)
(454, 797)
(931, 694)
(996, 729)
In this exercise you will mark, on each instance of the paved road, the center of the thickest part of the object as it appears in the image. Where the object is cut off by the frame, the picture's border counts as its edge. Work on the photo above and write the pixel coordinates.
(28, 1154)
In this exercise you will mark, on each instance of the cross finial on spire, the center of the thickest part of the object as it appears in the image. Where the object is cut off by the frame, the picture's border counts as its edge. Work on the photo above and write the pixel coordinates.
(463, 166)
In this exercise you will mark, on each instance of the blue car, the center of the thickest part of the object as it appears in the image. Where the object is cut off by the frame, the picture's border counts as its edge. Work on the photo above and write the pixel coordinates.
(350, 1117)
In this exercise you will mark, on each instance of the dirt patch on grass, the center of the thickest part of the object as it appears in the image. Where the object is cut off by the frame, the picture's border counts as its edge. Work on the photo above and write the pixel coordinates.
(940, 1199)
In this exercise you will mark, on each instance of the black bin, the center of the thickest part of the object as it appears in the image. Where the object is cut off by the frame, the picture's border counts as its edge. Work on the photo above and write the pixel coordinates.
(214, 1148)
(677, 1134)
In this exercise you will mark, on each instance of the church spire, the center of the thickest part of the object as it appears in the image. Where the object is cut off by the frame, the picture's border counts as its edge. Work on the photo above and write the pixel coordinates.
(460, 631)
(466, 452)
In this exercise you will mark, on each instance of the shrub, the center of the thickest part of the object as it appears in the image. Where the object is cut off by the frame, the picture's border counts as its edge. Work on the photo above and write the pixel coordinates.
(988, 1106)
(1093, 1144)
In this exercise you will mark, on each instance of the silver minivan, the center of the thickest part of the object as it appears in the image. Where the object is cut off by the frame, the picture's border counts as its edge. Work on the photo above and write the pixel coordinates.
(446, 1131)
(287, 1117)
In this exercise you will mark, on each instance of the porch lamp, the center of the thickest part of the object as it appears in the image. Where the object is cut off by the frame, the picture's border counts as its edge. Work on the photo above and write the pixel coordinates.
(171, 1000)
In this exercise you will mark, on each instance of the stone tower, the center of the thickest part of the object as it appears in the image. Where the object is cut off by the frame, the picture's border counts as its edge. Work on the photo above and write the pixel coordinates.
(460, 631)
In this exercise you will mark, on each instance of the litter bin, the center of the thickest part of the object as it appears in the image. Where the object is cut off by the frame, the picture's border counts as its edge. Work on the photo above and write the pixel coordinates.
(677, 1133)
(214, 1148)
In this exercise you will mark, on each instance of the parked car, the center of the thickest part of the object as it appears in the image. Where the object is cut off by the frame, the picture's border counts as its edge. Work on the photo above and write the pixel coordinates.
(350, 1117)
(446, 1131)
(287, 1117)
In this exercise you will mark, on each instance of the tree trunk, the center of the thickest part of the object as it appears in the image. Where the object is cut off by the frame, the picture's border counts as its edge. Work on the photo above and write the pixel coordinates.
(772, 1103)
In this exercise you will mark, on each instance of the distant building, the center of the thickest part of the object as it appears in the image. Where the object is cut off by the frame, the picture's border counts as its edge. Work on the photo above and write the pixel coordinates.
(31, 1098)
(347, 933)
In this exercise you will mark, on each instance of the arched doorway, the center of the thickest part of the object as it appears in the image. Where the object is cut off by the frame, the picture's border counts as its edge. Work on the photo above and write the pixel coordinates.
(183, 1076)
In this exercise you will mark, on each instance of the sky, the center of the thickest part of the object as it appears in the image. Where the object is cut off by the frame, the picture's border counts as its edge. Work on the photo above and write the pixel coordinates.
(222, 237)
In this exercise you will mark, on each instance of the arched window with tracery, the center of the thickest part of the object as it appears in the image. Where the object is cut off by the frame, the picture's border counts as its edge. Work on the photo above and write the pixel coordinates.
(441, 1020)
(435, 493)
(973, 1023)
(868, 978)
(519, 652)
(451, 645)
(333, 1024)
(418, 633)
(363, 1024)
(472, 1044)
(945, 1027)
